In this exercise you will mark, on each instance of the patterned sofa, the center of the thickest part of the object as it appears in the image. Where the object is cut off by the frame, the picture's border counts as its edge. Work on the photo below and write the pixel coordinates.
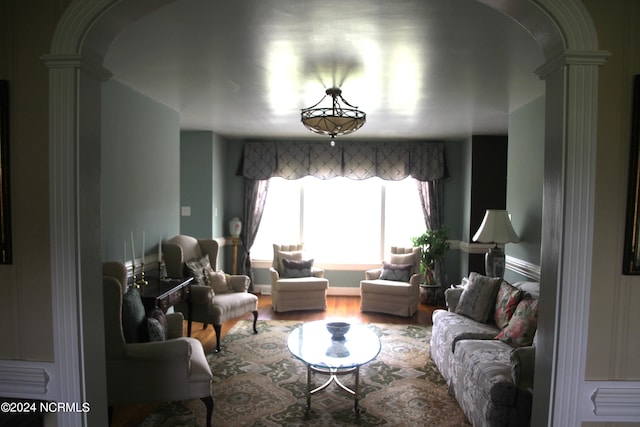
(484, 347)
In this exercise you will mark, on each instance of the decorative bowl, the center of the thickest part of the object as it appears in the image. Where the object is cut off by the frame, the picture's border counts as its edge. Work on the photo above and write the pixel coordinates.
(338, 329)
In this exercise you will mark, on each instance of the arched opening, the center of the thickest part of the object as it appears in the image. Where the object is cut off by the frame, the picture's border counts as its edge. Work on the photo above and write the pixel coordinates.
(82, 39)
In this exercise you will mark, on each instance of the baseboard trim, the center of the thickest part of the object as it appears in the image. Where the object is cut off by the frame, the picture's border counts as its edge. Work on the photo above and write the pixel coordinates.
(332, 291)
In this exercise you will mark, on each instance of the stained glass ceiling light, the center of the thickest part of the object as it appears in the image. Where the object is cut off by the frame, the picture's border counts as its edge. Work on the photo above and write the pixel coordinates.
(334, 120)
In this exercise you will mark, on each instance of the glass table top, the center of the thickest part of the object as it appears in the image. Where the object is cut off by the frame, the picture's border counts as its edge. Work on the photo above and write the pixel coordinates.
(312, 343)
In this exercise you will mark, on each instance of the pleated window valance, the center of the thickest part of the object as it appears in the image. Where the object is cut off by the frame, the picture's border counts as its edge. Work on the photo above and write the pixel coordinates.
(424, 161)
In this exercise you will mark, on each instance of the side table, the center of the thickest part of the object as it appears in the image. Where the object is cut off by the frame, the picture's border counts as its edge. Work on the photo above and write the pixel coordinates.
(165, 293)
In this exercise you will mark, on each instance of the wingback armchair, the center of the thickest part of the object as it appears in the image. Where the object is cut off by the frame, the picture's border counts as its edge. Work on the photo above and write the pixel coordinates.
(395, 287)
(215, 296)
(304, 288)
(169, 370)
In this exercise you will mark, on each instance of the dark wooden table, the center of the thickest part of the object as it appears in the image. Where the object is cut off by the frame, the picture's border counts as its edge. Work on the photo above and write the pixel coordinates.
(165, 293)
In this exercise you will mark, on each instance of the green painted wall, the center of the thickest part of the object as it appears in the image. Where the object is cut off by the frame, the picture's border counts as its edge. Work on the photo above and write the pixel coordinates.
(524, 187)
(140, 172)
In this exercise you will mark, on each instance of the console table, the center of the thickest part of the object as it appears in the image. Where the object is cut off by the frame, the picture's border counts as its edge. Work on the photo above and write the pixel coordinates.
(165, 293)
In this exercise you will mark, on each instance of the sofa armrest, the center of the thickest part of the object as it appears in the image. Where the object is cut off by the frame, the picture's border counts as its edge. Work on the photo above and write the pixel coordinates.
(174, 325)
(317, 272)
(452, 297)
(373, 274)
(275, 276)
(523, 360)
(175, 349)
(239, 282)
(416, 279)
(201, 294)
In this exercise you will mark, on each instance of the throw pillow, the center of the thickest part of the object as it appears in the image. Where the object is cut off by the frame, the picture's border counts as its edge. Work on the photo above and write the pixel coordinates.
(155, 329)
(506, 303)
(282, 255)
(218, 282)
(133, 315)
(157, 325)
(479, 297)
(523, 324)
(296, 268)
(404, 259)
(396, 272)
(198, 268)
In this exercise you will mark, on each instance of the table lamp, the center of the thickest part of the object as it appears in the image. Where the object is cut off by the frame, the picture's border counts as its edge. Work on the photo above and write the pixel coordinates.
(495, 228)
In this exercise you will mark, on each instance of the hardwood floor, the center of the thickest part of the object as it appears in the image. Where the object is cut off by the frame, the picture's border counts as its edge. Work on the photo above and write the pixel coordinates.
(344, 307)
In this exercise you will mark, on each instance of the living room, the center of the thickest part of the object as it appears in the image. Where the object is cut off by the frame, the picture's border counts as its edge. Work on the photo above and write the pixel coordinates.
(602, 197)
(200, 174)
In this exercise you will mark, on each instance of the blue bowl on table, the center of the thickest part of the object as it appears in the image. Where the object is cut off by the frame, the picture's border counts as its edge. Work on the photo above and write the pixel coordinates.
(338, 329)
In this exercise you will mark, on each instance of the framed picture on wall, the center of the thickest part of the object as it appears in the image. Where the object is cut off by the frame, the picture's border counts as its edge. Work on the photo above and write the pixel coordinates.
(631, 258)
(6, 255)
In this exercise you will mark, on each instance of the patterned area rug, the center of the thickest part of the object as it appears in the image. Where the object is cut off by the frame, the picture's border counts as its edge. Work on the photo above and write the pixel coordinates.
(257, 382)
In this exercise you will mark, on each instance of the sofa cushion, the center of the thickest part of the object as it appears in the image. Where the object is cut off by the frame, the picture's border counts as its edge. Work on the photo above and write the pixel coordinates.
(506, 303)
(199, 268)
(396, 272)
(133, 317)
(296, 268)
(522, 326)
(477, 301)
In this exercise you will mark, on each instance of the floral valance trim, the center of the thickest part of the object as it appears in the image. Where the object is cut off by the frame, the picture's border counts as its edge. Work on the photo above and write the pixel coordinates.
(424, 161)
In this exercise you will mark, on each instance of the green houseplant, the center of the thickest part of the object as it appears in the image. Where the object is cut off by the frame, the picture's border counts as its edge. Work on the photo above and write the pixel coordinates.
(434, 245)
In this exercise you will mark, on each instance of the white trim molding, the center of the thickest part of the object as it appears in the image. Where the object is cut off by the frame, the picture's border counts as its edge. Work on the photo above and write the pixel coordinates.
(522, 267)
(614, 400)
(30, 380)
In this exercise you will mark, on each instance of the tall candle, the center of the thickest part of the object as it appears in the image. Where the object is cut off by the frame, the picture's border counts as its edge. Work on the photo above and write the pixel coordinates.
(160, 250)
(133, 253)
(124, 254)
(142, 250)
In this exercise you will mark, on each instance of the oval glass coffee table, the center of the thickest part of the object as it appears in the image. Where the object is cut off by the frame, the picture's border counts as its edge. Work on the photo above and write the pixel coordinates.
(313, 345)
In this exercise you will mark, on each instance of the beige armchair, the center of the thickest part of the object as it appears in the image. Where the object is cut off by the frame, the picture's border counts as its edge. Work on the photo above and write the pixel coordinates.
(307, 291)
(215, 296)
(394, 288)
(169, 370)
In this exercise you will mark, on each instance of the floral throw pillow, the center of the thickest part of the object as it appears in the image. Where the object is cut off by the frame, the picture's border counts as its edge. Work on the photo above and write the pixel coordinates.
(479, 297)
(199, 268)
(506, 303)
(522, 326)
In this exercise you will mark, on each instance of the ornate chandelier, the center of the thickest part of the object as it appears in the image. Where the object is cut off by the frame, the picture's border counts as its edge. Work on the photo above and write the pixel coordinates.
(334, 120)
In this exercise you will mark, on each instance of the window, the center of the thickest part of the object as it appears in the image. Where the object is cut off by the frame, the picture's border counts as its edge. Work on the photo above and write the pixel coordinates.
(340, 221)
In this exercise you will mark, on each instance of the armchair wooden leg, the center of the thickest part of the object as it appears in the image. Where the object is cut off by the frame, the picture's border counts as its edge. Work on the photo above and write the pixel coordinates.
(255, 319)
(208, 402)
(218, 329)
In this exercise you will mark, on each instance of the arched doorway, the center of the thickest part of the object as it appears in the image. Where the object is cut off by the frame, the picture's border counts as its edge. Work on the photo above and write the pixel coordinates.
(570, 72)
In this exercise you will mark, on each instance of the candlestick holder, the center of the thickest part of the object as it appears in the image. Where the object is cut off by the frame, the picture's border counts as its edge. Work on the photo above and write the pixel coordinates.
(142, 280)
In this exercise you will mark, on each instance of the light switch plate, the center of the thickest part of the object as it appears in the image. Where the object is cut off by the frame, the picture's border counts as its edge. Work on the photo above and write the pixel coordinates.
(185, 211)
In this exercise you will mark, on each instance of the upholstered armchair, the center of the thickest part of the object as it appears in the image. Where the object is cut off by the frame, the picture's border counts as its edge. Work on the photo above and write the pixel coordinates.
(395, 287)
(170, 369)
(295, 283)
(215, 296)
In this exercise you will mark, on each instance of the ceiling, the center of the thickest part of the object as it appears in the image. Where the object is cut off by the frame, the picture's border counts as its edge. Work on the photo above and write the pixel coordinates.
(428, 69)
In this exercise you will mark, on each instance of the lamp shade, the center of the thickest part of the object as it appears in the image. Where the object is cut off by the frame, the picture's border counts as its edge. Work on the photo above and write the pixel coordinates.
(496, 228)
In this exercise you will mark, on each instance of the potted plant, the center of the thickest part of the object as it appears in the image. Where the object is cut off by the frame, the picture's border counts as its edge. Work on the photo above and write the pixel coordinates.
(434, 245)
